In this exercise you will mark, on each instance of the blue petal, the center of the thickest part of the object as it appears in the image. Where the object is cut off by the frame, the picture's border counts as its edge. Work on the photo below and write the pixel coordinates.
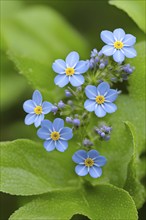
(30, 119)
(95, 172)
(129, 52)
(107, 37)
(58, 124)
(29, 106)
(93, 154)
(111, 95)
(44, 133)
(129, 40)
(66, 133)
(103, 88)
(100, 161)
(81, 170)
(61, 145)
(37, 97)
(100, 112)
(108, 50)
(47, 106)
(72, 59)
(91, 92)
(59, 66)
(89, 105)
(118, 56)
(47, 124)
(49, 145)
(82, 67)
(61, 80)
(119, 34)
(38, 120)
(109, 107)
(76, 80)
(79, 156)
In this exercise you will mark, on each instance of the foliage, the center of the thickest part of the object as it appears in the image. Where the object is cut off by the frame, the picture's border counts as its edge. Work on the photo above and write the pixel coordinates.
(135, 9)
(33, 38)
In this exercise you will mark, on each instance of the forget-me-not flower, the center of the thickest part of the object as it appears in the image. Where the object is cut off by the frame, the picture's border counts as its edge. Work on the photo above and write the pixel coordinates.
(119, 45)
(36, 109)
(88, 162)
(70, 70)
(100, 99)
(55, 134)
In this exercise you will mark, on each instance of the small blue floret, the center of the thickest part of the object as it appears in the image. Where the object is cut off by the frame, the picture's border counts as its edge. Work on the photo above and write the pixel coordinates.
(100, 99)
(70, 70)
(89, 162)
(119, 45)
(55, 134)
(36, 109)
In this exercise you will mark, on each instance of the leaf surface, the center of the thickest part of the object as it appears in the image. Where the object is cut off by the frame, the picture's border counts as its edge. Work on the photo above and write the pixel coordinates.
(35, 37)
(100, 202)
(135, 9)
(28, 169)
(132, 184)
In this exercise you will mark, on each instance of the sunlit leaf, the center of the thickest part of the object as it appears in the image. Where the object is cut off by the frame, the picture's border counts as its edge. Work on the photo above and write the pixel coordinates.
(132, 184)
(135, 9)
(100, 202)
(28, 169)
(35, 37)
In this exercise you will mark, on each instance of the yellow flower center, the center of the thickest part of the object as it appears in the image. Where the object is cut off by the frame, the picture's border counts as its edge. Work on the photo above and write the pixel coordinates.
(89, 162)
(118, 44)
(55, 135)
(100, 99)
(69, 71)
(38, 110)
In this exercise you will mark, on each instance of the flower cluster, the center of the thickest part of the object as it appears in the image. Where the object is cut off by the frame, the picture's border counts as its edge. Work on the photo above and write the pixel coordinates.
(93, 92)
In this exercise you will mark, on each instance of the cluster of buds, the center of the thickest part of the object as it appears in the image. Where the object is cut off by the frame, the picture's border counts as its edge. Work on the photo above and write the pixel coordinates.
(97, 60)
(104, 132)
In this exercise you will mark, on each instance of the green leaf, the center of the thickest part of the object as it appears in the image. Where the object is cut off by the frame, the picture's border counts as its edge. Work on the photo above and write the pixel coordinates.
(132, 184)
(12, 85)
(131, 107)
(135, 9)
(28, 169)
(35, 37)
(100, 202)
(119, 150)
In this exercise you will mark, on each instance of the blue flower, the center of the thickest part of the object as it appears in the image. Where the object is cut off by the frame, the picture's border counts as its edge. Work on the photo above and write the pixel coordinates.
(100, 99)
(118, 45)
(88, 162)
(36, 109)
(55, 134)
(70, 70)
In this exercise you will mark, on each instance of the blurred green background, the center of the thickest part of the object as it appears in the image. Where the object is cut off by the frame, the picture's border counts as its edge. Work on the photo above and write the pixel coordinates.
(89, 18)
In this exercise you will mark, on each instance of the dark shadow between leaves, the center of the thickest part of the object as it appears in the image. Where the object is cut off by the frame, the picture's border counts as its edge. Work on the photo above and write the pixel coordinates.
(79, 217)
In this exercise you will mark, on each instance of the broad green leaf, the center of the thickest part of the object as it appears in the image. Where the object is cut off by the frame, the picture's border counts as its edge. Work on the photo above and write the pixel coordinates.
(118, 151)
(28, 169)
(100, 202)
(13, 86)
(35, 37)
(135, 9)
(132, 106)
(132, 184)
(9, 7)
